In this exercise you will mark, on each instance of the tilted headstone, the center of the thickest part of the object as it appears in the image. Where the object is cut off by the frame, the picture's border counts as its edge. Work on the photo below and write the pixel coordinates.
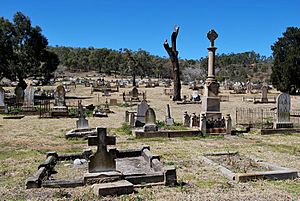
(150, 121)
(59, 96)
(141, 111)
(102, 160)
(81, 122)
(283, 111)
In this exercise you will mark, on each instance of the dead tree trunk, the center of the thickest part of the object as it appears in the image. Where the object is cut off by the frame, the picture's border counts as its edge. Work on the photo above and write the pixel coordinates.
(173, 53)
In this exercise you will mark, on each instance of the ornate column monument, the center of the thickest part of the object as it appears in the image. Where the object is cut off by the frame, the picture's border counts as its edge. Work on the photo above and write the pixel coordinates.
(211, 101)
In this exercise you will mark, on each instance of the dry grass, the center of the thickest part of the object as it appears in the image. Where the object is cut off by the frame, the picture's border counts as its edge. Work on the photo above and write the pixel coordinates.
(24, 143)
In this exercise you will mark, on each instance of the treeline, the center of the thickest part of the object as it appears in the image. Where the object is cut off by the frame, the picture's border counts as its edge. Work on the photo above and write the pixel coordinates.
(236, 67)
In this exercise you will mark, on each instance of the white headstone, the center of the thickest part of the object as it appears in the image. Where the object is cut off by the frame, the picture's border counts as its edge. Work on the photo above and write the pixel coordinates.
(283, 111)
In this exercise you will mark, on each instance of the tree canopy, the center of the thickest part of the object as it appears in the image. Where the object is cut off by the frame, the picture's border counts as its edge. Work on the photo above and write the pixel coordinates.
(23, 50)
(286, 69)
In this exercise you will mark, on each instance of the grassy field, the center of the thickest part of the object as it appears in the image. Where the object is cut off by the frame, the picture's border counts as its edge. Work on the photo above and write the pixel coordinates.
(24, 143)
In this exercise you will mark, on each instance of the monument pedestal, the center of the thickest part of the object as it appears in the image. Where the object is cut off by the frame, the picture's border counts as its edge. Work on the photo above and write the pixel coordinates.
(283, 125)
(211, 107)
(59, 111)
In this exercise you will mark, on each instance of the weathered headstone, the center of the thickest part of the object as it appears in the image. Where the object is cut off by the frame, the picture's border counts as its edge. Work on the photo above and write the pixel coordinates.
(150, 121)
(264, 93)
(102, 160)
(19, 95)
(59, 96)
(2, 104)
(28, 104)
(186, 119)
(283, 111)
(169, 120)
(81, 122)
(141, 111)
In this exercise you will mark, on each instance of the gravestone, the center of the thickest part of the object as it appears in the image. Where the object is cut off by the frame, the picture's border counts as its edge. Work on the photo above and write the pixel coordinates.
(60, 108)
(2, 104)
(102, 160)
(141, 112)
(28, 104)
(186, 119)
(135, 93)
(264, 93)
(81, 122)
(19, 95)
(150, 121)
(169, 120)
(283, 102)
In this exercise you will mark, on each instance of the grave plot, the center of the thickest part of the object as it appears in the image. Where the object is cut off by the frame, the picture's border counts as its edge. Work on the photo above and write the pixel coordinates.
(239, 168)
(109, 171)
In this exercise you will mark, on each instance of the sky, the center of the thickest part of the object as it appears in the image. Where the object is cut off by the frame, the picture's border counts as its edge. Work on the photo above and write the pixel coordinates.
(242, 25)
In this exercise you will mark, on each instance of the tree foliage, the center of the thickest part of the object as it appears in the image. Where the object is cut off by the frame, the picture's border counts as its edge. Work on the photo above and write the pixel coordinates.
(286, 69)
(23, 50)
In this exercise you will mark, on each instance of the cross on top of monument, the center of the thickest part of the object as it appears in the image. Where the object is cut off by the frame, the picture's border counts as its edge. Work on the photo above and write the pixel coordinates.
(212, 36)
(101, 140)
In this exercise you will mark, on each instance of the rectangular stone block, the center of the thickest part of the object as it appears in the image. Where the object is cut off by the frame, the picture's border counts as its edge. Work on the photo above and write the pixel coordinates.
(114, 188)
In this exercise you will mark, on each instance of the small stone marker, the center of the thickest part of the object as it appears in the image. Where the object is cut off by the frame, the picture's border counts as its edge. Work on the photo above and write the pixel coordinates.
(113, 188)
(141, 112)
(283, 111)
(102, 160)
(150, 121)
(169, 120)
(81, 122)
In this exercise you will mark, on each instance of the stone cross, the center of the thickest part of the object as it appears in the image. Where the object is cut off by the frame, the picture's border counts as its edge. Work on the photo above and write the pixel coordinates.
(81, 122)
(102, 160)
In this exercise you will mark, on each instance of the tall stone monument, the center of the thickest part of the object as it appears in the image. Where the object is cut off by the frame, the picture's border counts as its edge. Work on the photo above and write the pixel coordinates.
(211, 101)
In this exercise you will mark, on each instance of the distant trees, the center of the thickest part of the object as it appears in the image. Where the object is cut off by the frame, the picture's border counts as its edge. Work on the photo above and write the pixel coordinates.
(23, 50)
(286, 69)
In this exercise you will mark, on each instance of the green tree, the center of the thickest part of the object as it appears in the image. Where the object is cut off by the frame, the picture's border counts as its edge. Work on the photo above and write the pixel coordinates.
(26, 54)
(286, 69)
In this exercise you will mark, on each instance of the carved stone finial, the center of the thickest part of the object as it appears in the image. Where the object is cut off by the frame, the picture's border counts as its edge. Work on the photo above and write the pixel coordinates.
(212, 36)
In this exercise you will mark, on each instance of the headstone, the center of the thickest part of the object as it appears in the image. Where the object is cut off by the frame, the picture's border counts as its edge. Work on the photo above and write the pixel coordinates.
(264, 93)
(135, 93)
(2, 97)
(169, 120)
(141, 112)
(186, 119)
(59, 96)
(150, 121)
(19, 95)
(81, 122)
(283, 111)
(28, 104)
(102, 160)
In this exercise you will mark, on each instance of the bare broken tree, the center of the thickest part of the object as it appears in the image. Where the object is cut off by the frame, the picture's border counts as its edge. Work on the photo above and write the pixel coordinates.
(173, 53)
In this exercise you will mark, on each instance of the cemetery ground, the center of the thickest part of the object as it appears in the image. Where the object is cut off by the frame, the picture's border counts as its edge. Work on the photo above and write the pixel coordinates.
(25, 142)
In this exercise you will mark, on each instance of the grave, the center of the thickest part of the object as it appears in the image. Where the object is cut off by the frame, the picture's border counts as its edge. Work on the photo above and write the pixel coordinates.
(150, 121)
(141, 112)
(59, 109)
(241, 169)
(28, 103)
(264, 93)
(3, 107)
(169, 120)
(109, 171)
(283, 111)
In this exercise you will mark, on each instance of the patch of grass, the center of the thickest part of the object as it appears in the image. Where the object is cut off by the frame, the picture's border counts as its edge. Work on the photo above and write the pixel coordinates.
(283, 148)
(18, 154)
(205, 183)
(291, 186)
(76, 141)
(125, 129)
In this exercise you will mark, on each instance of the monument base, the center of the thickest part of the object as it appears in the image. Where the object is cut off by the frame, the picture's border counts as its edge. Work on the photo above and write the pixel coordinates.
(59, 111)
(283, 125)
(28, 109)
(150, 127)
(211, 105)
